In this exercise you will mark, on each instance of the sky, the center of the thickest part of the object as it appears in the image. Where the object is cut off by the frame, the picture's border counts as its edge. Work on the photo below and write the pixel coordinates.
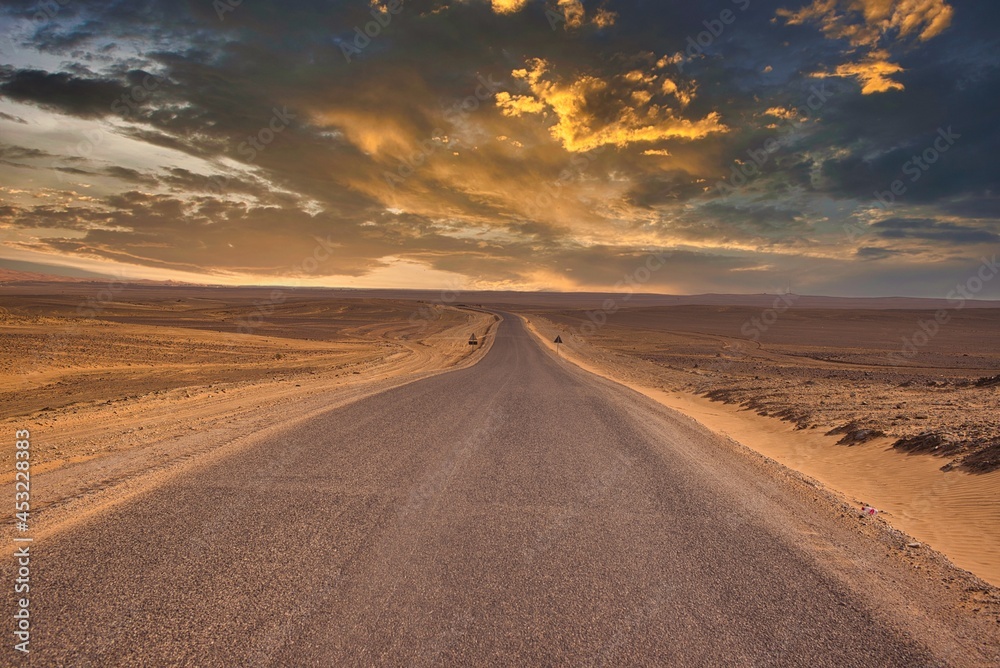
(836, 147)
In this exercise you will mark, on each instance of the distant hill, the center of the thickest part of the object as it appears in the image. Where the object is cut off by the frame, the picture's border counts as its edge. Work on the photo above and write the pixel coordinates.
(31, 282)
(13, 276)
(593, 300)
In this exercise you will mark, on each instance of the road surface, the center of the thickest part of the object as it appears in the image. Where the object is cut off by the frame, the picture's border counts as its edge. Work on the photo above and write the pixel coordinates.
(517, 512)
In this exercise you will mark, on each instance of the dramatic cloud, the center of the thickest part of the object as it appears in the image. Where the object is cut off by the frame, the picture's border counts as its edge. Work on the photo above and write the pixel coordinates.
(508, 6)
(61, 91)
(591, 112)
(570, 14)
(528, 144)
(932, 230)
(871, 27)
(874, 72)
(869, 22)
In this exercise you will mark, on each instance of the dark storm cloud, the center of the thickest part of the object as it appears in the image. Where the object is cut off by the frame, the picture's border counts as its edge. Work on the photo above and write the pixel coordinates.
(11, 152)
(61, 91)
(764, 223)
(933, 230)
(130, 175)
(52, 39)
(664, 187)
(75, 171)
(985, 206)
(123, 173)
(877, 253)
(954, 85)
(904, 146)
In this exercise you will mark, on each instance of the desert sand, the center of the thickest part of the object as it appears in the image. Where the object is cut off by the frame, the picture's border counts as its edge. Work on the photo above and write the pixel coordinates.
(131, 392)
(516, 512)
(125, 388)
(821, 393)
(129, 385)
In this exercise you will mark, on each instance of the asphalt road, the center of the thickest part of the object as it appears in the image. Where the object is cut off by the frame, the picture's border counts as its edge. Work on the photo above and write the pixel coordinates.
(518, 512)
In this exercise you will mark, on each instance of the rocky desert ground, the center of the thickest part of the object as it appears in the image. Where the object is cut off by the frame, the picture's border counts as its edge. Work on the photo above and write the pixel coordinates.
(916, 434)
(841, 371)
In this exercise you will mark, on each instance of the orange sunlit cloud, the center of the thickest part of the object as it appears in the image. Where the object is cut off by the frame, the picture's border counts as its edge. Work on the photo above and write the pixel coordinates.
(870, 26)
(592, 112)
